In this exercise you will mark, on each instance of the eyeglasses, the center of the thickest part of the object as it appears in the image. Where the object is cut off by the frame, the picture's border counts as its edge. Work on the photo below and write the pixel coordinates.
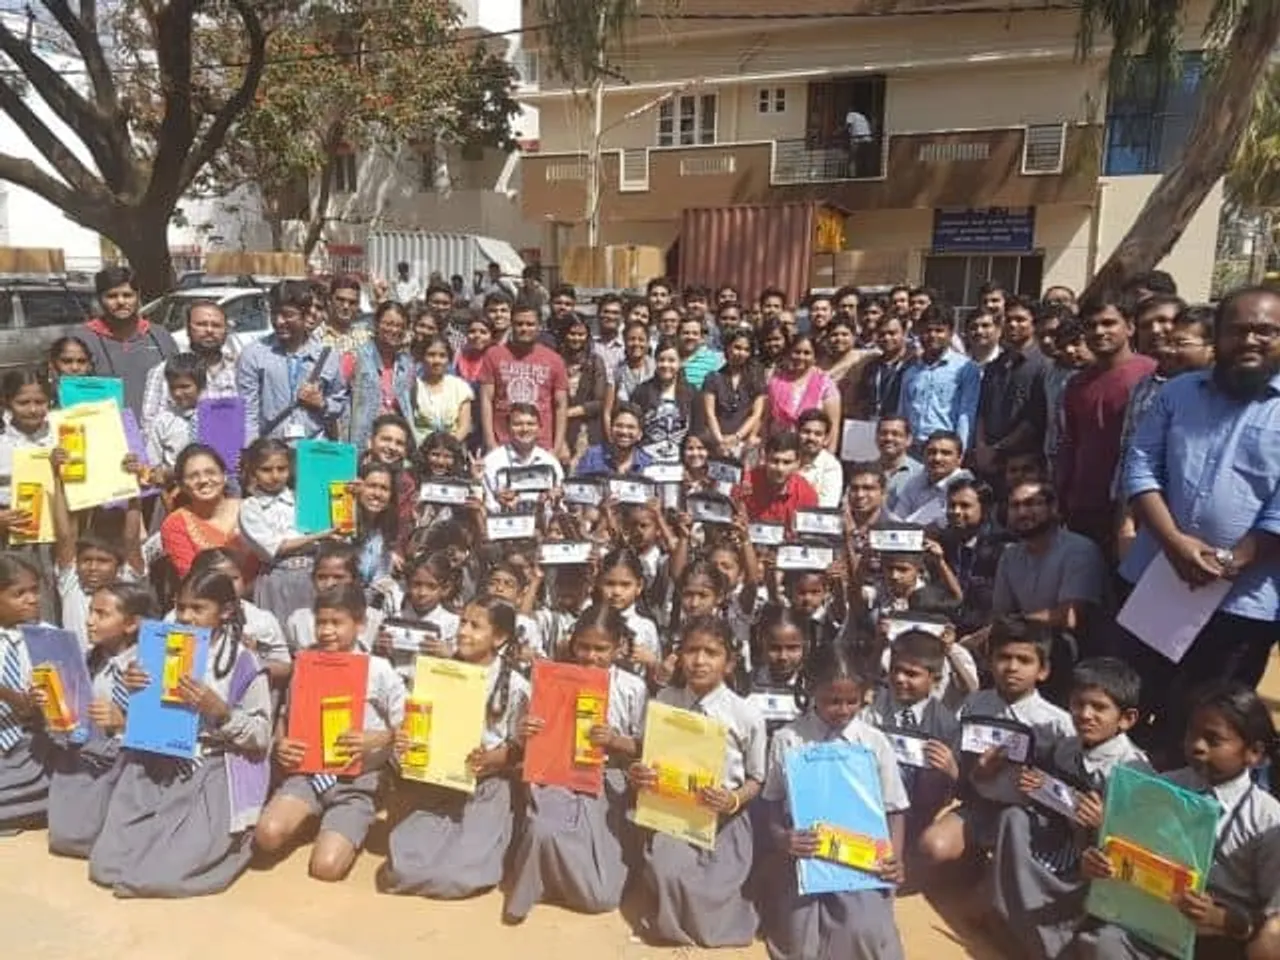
(1265, 332)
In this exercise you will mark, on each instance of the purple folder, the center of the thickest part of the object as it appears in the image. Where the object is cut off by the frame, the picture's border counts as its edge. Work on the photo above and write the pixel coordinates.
(61, 649)
(220, 424)
(138, 447)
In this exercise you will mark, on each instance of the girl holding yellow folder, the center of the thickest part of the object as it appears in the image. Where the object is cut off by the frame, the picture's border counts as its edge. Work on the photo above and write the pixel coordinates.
(453, 844)
(698, 897)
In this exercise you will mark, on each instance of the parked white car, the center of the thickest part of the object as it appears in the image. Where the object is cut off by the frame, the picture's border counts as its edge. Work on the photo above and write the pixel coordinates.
(248, 314)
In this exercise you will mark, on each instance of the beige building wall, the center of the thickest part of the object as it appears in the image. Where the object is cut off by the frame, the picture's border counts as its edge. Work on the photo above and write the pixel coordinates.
(1191, 259)
(1062, 232)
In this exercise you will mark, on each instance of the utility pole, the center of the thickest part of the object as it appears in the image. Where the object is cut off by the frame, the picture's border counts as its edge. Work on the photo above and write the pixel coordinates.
(597, 131)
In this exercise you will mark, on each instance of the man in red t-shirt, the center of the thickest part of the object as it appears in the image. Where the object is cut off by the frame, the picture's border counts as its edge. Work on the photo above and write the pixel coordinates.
(524, 371)
(773, 492)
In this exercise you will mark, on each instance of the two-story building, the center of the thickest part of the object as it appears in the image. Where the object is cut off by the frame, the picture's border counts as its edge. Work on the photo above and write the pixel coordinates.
(964, 143)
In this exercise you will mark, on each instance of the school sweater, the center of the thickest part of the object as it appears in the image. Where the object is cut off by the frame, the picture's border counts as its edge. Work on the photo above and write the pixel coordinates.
(1048, 724)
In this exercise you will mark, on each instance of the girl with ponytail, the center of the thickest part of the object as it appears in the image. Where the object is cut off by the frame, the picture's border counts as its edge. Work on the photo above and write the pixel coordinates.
(183, 828)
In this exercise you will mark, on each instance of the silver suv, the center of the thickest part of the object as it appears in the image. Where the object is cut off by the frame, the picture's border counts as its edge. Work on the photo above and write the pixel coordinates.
(35, 313)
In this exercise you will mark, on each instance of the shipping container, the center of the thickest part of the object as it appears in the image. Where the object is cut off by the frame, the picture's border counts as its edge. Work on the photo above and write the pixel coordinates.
(753, 247)
(447, 254)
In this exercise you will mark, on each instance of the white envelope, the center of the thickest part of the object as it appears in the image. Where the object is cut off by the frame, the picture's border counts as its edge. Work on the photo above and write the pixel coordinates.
(631, 491)
(1057, 796)
(512, 526)
(978, 737)
(437, 491)
(777, 705)
(896, 540)
(559, 554)
(766, 534)
(819, 522)
(664, 472)
(908, 749)
(804, 556)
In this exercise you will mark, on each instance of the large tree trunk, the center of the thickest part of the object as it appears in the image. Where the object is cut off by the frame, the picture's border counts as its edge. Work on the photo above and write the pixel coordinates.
(1223, 118)
(144, 241)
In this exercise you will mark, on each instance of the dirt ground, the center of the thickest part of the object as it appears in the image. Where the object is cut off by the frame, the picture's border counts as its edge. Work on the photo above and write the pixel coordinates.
(50, 910)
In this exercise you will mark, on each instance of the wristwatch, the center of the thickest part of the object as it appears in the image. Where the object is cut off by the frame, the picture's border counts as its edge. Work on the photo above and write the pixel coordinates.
(1226, 559)
(1238, 926)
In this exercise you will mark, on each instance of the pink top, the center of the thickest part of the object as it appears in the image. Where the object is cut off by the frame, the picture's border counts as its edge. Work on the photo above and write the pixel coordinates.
(789, 398)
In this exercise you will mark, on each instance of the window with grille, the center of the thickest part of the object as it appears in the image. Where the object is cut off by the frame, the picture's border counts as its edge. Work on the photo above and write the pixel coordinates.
(345, 169)
(687, 121)
(1042, 148)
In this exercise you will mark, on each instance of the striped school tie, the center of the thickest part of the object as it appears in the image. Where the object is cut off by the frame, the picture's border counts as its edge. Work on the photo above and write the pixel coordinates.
(322, 782)
(119, 692)
(11, 732)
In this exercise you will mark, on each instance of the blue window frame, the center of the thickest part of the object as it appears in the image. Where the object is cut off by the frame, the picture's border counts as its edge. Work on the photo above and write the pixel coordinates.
(1150, 114)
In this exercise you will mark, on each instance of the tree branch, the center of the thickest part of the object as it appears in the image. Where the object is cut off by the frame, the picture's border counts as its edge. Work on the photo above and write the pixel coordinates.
(69, 106)
(51, 147)
(177, 130)
(26, 174)
(239, 101)
(83, 30)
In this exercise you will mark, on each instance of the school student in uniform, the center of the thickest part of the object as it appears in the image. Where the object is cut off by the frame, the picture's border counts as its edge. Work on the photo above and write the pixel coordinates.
(183, 828)
(83, 775)
(451, 845)
(1229, 732)
(850, 926)
(698, 897)
(1020, 651)
(268, 523)
(1037, 893)
(24, 747)
(908, 708)
(335, 565)
(570, 848)
(345, 806)
(430, 581)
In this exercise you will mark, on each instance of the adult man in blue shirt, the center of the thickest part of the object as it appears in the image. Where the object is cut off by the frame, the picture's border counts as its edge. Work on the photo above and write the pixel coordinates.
(291, 383)
(1203, 480)
(940, 390)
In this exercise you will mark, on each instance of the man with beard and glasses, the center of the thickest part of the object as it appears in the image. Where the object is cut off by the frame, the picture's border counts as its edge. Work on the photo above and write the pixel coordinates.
(1203, 480)
(1051, 575)
(971, 548)
(207, 334)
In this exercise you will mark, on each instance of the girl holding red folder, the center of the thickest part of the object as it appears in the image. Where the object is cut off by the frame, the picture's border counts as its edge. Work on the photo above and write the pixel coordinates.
(571, 845)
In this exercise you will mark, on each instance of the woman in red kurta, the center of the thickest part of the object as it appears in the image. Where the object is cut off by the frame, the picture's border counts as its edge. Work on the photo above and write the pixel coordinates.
(206, 517)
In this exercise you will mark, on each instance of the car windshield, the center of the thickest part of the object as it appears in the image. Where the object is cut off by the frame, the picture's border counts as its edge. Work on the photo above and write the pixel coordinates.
(54, 308)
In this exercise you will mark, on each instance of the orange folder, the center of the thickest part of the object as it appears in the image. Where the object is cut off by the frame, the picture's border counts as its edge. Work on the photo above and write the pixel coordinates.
(569, 699)
(326, 699)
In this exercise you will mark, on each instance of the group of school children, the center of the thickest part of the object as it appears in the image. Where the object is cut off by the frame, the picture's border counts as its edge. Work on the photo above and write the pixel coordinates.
(691, 615)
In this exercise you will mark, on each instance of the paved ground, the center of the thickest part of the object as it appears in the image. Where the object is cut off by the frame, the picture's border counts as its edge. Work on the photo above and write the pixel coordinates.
(50, 911)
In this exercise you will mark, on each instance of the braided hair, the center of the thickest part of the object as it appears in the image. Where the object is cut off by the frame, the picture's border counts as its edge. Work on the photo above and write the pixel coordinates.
(218, 587)
(502, 620)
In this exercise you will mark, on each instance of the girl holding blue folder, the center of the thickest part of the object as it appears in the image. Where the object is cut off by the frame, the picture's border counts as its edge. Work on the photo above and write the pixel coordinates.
(183, 828)
(83, 776)
(849, 926)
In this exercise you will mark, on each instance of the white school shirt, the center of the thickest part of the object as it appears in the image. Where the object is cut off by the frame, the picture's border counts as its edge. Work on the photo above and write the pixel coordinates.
(500, 459)
(75, 600)
(267, 520)
(628, 698)
(261, 627)
(11, 439)
(300, 630)
(644, 632)
(498, 731)
(446, 623)
(746, 742)
(1246, 864)
(1068, 756)
(528, 632)
(1047, 722)
(13, 638)
(169, 432)
(811, 728)
(102, 684)
(383, 705)
(248, 729)
(556, 627)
